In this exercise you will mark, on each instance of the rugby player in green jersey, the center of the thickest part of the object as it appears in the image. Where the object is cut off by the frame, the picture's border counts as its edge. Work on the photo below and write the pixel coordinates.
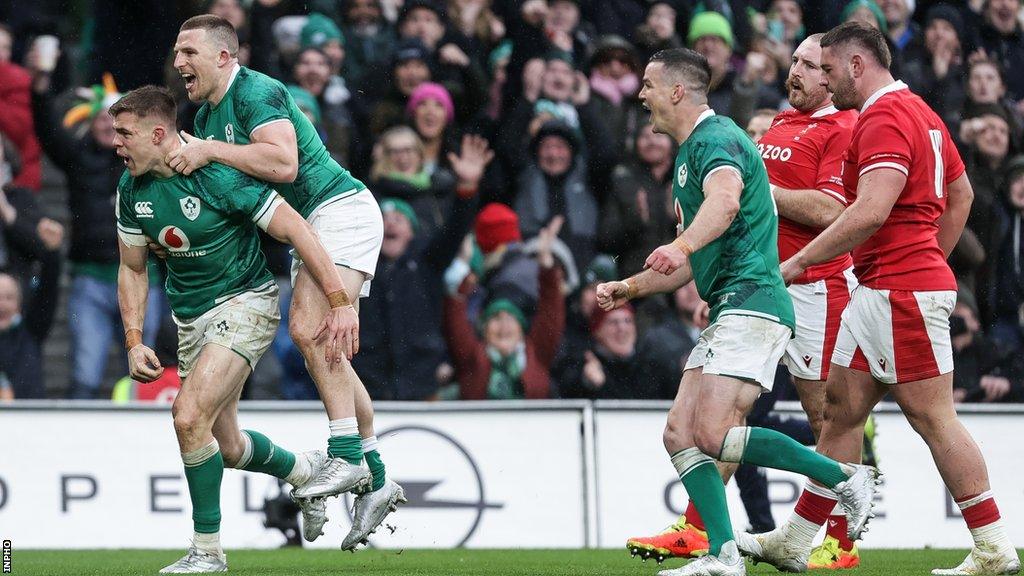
(249, 121)
(224, 302)
(727, 244)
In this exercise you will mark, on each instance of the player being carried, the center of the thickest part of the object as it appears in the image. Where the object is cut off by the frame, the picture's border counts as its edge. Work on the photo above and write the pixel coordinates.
(803, 153)
(249, 121)
(224, 302)
(911, 198)
(727, 245)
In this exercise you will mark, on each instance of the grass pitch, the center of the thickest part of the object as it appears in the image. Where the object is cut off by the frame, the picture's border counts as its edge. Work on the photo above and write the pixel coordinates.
(430, 562)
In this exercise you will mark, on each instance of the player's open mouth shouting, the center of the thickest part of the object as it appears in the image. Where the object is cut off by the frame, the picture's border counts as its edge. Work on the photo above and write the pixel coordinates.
(190, 81)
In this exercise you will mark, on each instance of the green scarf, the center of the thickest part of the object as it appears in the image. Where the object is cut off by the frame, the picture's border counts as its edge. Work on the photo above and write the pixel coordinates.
(504, 382)
(420, 180)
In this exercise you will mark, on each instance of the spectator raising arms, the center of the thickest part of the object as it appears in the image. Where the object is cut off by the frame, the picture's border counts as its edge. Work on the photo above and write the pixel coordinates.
(404, 349)
(512, 357)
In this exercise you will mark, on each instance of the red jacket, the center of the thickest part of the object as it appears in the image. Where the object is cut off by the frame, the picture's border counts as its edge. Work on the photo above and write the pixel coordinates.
(469, 353)
(16, 123)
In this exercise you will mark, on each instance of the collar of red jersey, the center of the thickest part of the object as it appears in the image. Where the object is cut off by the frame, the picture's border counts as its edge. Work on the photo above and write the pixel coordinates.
(827, 110)
(703, 116)
(897, 85)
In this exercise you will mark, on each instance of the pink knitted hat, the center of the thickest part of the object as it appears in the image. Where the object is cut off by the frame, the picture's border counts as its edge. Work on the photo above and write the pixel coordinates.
(431, 91)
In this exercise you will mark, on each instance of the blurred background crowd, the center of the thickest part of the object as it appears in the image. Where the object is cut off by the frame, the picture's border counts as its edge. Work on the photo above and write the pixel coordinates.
(471, 298)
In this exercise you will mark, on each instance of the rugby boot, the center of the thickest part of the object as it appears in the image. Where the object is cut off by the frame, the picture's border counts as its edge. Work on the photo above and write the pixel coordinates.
(831, 556)
(680, 540)
(369, 511)
(334, 477)
(983, 561)
(198, 562)
(314, 510)
(727, 563)
(778, 548)
(857, 497)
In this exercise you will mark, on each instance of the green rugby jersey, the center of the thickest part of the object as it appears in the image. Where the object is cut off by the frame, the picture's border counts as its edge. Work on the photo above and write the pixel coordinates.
(254, 100)
(737, 273)
(205, 222)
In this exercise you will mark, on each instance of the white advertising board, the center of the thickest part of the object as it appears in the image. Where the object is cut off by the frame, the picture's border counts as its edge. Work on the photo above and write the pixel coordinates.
(639, 493)
(490, 475)
(113, 478)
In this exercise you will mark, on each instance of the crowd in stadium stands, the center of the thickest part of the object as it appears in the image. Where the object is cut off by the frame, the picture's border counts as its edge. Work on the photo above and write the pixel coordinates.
(485, 285)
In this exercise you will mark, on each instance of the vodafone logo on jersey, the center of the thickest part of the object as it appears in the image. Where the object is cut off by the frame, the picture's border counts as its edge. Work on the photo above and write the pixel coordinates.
(174, 239)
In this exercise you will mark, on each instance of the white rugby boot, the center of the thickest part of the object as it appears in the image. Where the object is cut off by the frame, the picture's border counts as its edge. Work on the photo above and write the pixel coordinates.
(334, 477)
(198, 561)
(778, 548)
(370, 510)
(314, 510)
(727, 563)
(857, 497)
(983, 561)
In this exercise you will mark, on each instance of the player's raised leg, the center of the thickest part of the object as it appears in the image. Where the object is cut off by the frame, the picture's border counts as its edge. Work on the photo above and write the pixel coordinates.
(928, 405)
(252, 451)
(384, 495)
(335, 382)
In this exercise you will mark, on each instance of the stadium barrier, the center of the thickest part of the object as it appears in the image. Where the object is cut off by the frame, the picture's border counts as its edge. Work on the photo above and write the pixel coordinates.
(548, 474)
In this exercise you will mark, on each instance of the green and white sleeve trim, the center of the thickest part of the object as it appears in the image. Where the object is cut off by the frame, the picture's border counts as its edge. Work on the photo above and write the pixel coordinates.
(263, 216)
(131, 236)
(268, 123)
(719, 168)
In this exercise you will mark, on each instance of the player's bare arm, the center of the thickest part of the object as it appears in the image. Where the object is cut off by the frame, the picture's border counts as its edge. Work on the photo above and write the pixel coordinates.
(340, 329)
(721, 204)
(132, 291)
(877, 192)
(272, 156)
(960, 196)
(807, 207)
(612, 295)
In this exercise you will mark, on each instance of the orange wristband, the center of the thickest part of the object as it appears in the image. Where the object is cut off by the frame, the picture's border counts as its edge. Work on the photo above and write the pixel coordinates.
(683, 245)
(132, 338)
(338, 299)
(632, 289)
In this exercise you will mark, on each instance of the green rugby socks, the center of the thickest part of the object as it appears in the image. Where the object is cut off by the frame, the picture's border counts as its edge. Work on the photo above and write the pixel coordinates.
(262, 455)
(771, 449)
(345, 442)
(374, 462)
(204, 470)
(704, 486)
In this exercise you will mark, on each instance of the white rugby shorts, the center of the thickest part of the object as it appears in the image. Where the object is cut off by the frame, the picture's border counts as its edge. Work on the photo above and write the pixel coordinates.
(351, 229)
(903, 335)
(245, 323)
(743, 347)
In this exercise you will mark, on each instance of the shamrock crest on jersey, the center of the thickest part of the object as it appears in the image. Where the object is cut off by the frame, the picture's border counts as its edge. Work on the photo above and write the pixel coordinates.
(190, 207)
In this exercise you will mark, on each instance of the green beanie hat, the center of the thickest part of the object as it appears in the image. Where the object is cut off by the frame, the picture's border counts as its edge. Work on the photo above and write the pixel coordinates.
(319, 30)
(402, 207)
(710, 24)
(305, 101)
(503, 305)
(870, 5)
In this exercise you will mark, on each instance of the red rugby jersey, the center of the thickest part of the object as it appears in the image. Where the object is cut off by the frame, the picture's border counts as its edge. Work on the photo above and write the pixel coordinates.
(898, 130)
(804, 151)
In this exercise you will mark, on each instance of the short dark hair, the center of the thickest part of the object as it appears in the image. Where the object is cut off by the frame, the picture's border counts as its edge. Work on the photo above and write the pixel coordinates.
(217, 28)
(146, 102)
(865, 36)
(972, 64)
(690, 67)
